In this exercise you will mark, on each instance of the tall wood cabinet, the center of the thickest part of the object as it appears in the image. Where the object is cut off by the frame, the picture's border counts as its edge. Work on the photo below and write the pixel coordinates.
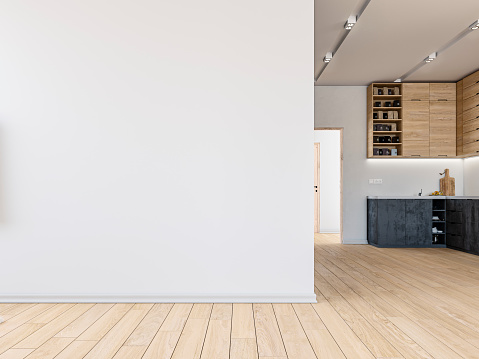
(468, 120)
(416, 119)
(459, 121)
(442, 116)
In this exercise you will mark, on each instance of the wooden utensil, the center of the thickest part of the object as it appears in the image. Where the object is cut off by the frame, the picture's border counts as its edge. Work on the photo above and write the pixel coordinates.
(447, 184)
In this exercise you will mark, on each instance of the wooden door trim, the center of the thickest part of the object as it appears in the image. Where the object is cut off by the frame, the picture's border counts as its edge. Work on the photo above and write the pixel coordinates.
(341, 133)
(317, 205)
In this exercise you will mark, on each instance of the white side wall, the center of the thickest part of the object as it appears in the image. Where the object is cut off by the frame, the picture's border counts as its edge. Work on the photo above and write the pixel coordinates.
(330, 180)
(345, 106)
(471, 176)
(156, 150)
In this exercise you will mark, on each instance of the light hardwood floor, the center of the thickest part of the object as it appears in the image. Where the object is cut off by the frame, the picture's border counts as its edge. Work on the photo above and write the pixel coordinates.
(372, 303)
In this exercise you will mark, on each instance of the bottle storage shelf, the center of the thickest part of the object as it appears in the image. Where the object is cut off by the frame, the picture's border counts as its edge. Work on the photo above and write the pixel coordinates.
(379, 120)
(386, 97)
(385, 120)
(386, 144)
(386, 132)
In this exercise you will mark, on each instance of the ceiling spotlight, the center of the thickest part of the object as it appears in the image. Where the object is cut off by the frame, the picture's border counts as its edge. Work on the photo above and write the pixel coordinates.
(351, 22)
(475, 25)
(431, 57)
(398, 80)
(328, 57)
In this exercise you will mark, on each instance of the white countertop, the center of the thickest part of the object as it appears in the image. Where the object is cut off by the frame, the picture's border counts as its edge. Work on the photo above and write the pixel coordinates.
(423, 197)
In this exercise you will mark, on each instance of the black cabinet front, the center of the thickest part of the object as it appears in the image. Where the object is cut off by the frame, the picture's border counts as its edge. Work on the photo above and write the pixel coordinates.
(400, 222)
(418, 222)
(409, 223)
(463, 224)
(391, 220)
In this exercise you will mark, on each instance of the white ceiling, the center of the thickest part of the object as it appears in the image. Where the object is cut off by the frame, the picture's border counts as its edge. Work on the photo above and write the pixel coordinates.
(392, 37)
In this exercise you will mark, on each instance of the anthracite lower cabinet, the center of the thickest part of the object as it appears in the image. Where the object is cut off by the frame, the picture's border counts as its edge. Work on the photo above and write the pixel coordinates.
(463, 224)
(471, 235)
(408, 222)
(391, 221)
(400, 222)
(418, 222)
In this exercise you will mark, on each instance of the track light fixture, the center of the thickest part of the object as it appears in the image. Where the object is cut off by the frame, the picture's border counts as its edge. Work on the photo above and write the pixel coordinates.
(431, 57)
(351, 22)
(475, 25)
(328, 57)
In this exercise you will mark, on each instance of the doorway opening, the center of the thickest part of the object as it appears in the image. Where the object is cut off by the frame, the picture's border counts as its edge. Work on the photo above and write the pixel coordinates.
(328, 183)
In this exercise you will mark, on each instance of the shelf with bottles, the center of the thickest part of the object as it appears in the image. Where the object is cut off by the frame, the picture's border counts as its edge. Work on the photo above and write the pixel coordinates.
(384, 126)
(387, 134)
(387, 89)
(387, 97)
(387, 108)
(388, 143)
(382, 150)
(385, 120)
(386, 113)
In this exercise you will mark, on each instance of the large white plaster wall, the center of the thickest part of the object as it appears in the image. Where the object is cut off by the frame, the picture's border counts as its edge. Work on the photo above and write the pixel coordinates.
(471, 176)
(156, 150)
(345, 106)
(330, 180)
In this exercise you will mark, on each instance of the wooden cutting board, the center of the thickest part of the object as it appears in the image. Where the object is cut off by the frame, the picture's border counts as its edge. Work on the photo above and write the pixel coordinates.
(448, 184)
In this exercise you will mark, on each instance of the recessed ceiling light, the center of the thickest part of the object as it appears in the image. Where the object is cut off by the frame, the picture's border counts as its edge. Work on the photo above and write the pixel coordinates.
(431, 57)
(328, 57)
(351, 22)
(475, 25)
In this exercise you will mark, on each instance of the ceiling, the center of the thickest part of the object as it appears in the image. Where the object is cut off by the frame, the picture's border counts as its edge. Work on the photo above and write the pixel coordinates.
(392, 37)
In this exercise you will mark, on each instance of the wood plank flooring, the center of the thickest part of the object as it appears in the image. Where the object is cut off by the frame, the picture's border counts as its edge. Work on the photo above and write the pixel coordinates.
(372, 303)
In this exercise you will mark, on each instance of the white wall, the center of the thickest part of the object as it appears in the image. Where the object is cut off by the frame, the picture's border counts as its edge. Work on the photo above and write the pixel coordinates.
(471, 176)
(345, 106)
(330, 180)
(156, 150)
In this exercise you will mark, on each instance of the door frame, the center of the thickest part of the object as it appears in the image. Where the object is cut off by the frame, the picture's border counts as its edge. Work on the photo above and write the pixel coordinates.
(317, 193)
(341, 159)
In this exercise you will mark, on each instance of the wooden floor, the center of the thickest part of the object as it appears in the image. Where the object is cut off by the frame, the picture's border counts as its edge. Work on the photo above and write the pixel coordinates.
(372, 303)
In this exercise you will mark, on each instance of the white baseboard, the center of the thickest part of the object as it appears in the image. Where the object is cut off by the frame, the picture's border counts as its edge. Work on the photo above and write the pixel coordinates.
(355, 241)
(152, 298)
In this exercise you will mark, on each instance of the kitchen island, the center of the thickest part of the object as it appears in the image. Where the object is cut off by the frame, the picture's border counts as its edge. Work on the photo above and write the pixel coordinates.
(424, 222)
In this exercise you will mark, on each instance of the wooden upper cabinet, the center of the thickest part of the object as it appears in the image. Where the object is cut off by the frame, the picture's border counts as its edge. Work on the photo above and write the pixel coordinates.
(471, 79)
(442, 92)
(442, 129)
(471, 91)
(415, 148)
(443, 111)
(470, 115)
(416, 120)
(459, 118)
(415, 92)
(470, 103)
